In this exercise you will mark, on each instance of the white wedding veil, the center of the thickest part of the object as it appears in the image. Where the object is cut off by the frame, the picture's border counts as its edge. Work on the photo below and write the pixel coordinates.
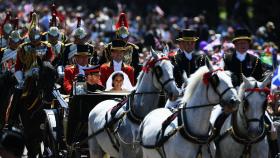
(126, 82)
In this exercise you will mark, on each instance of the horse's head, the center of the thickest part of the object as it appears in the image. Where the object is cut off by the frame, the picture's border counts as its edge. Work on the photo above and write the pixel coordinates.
(220, 82)
(46, 79)
(160, 69)
(253, 105)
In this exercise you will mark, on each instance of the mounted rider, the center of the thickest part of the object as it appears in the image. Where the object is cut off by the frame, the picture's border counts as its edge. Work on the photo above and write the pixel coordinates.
(80, 40)
(9, 53)
(29, 52)
(131, 56)
(187, 58)
(240, 62)
(6, 28)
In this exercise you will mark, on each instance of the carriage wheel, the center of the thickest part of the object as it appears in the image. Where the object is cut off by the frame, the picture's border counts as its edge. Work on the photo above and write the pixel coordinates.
(50, 144)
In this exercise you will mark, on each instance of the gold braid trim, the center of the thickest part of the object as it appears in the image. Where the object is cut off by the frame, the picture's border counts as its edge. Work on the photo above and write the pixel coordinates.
(256, 63)
(34, 103)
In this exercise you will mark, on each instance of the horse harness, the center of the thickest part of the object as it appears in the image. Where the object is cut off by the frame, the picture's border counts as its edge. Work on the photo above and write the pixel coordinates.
(183, 129)
(130, 113)
(235, 133)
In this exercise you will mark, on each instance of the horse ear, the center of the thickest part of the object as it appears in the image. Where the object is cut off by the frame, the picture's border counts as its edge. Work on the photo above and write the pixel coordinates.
(245, 80)
(208, 64)
(166, 50)
(267, 80)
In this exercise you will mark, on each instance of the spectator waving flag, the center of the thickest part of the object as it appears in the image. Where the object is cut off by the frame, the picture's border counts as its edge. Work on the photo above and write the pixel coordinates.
(276, 77)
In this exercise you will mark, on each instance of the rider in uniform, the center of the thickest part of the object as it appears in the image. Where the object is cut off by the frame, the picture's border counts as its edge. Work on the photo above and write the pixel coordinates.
(187, 58)
(7, 28)
(27, 58)
(80, 40)
(81, 58)
(8, 60)
(241, 62)
(8, 54)
(131, 57)
(118, 49)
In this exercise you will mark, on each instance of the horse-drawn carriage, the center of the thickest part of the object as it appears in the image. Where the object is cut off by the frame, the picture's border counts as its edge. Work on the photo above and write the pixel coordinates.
(66, 127)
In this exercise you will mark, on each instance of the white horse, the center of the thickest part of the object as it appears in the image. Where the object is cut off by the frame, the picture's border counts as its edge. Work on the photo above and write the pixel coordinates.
(118, 139)
(207, 87)
(244, 132)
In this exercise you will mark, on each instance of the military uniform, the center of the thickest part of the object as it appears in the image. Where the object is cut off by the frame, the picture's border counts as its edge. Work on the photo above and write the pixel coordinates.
(28, 53)
(70, 73)
(8, 59)
(251, 66)
(188, 62)
(71, 49)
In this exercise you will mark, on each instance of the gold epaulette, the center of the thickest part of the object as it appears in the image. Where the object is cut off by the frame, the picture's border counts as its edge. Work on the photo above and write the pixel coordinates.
(2, 50)
(43, 33)
(46, 43)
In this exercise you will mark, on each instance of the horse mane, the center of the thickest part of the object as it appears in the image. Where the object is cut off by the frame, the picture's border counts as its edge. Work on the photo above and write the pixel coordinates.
(194, 80)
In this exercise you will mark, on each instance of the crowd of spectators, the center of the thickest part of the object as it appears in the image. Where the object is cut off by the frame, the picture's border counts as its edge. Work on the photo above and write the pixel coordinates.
(155, 28)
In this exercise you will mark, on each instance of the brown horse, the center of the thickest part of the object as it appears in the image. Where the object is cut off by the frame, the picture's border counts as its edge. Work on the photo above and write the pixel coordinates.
(35, 96)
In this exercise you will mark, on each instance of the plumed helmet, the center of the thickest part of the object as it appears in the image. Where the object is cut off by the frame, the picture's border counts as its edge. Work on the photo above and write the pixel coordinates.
(122, 27)
(7, 27)
(79, 32)
(54, 31)
(15, 34)
(34, 30)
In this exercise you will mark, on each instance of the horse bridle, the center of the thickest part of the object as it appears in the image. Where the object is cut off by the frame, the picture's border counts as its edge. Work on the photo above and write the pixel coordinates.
(215, 81)
(158, 73)
(251, 91)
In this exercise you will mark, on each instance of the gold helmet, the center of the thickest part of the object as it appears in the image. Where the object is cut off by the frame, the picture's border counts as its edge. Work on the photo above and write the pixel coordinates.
(34, 30)
(15, 35)
(7, 27)
(79, 32)
(122, 27)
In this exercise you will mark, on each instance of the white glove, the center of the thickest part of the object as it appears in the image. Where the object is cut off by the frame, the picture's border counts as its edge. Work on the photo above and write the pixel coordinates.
(60, 71)
(19, 76)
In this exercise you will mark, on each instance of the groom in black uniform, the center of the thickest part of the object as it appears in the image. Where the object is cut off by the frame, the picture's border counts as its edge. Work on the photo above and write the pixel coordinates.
(187, 58)
(241, 62)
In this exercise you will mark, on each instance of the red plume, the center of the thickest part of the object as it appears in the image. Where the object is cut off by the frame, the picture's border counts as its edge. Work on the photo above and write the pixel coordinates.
(53, 9)
(53, 21)
(122, 21)
(30, 16)
(79, 21)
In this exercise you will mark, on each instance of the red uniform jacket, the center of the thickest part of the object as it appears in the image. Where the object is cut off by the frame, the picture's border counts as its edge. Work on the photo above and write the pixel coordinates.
(69, 75)
(25, 59)
(107, 69)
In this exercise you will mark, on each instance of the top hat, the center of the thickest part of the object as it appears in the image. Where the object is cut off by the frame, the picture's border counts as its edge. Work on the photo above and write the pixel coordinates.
(242, 34)
(119, 45)
(187, 35)
(82, 50)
